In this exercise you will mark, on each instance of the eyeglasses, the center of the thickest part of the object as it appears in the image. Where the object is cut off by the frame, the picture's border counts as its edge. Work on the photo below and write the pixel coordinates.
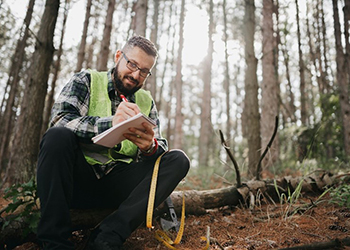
(133, 67)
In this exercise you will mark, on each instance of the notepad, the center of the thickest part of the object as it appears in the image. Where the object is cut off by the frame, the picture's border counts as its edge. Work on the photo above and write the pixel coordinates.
(115, 134)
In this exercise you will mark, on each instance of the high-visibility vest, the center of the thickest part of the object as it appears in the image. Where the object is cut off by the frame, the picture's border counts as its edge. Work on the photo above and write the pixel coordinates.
(100, 105)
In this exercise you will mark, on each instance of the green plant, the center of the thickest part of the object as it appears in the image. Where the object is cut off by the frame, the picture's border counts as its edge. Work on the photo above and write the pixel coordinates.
(23, 205)
(341, 195)
(290, 198)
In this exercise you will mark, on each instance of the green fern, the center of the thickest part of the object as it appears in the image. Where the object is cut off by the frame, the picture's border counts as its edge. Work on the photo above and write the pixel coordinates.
(23, 196)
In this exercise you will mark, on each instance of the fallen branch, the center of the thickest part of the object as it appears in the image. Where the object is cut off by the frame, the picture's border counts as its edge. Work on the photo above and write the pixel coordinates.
(258, 170)
(227, 148)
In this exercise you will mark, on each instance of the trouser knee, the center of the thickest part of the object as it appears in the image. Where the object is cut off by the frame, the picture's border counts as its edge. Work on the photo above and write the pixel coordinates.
(58, 138)
(181, 162)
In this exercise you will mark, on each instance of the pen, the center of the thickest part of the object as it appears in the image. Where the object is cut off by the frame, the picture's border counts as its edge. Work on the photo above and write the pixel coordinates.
(123, 98)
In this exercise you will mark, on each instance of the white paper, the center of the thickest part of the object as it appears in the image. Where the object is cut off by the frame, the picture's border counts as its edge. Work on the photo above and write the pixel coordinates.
(114, 135)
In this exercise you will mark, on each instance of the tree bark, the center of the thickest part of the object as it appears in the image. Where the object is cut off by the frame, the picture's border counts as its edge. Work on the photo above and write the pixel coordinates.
(139, 21)
(104, 54)
(90, 63)
(151, 83)
(227, 77)
(50, 97)
(23, 158)
(82, 46)
(290, 100)
(168, 108)
(251, 103)
(13, 82)
(178, 82)
(303, 113)
(343, 81)
(205, 116)
(269, 86)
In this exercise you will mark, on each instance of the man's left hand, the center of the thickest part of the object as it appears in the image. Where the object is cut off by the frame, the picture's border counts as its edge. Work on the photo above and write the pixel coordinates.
(141, 138)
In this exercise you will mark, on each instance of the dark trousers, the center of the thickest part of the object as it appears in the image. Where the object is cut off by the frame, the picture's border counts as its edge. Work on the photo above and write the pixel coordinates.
(66, 180)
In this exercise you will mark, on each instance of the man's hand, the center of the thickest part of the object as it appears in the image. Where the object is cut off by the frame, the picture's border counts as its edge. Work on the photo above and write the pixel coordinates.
(141, 138)
(124, 111)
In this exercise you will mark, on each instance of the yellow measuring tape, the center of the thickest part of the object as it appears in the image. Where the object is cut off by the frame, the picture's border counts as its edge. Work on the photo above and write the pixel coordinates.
(159, 234)
(152, 193)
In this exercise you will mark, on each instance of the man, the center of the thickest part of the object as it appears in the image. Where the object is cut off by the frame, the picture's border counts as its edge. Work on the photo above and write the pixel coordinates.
(75, 173)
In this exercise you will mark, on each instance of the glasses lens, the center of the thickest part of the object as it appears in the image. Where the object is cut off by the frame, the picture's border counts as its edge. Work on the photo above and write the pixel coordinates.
(133, 67)
(144, 72)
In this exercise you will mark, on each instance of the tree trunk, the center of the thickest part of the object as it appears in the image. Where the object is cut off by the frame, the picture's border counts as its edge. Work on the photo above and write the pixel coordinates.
(82, 46)
(346, 11)
(251, 103)
(90, 64)
(325, 77)
(343, 82)
(139, 21)
(13, 82)
(178, 82)
(290, 100)
(303, 113)
(50, 97)
(104, 54)
(205, 116)
(151, 83)
(168, 108)
(227, 77)
(23, 158)
(169, 51)
(269, 87)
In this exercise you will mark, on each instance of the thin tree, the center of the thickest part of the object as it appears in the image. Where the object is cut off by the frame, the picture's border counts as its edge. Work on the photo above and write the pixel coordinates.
(151, 84)
(90, 63)
(342, 79)
(13, 82)
(227, 75)
(269, 87)
(169, 60)
(104, 54)
(251, 103)
(289, 104)
(346, 11)
(303, 113)
(56, 71)
(205, 117)
(178, 82)
(139, 21)
(82, 46)
(327, 68)
(26, 143)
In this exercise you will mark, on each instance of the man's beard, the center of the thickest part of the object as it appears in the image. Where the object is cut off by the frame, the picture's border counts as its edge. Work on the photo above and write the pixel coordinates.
(120, 86)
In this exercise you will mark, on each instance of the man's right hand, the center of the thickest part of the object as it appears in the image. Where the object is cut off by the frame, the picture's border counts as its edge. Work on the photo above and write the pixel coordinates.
(124, 111)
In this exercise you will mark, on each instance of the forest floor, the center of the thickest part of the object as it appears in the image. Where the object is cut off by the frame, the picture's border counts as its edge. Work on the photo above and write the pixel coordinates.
(267, 226)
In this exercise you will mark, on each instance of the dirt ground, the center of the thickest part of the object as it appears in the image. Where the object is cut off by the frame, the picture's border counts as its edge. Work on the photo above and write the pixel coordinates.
(264, 227)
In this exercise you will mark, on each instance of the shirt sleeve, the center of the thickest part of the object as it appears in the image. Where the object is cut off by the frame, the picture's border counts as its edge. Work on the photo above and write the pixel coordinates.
(71, 109)
(162, 142)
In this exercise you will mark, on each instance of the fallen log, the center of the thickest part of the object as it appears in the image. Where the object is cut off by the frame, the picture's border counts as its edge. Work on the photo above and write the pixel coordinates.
(197, 202)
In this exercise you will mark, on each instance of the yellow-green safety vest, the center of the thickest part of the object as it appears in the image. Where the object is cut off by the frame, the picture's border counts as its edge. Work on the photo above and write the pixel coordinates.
(100, 105)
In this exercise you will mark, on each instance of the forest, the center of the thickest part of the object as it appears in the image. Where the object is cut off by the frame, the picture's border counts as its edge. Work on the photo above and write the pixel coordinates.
(250, 90)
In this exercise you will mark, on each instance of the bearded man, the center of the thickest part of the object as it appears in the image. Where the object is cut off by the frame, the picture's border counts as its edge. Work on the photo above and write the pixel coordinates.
(73, 172)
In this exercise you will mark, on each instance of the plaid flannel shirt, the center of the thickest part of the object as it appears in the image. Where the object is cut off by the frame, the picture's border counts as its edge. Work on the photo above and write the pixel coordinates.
(71, 111)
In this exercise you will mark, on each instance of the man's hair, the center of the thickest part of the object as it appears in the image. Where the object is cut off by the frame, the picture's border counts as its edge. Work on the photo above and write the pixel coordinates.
(143, 43)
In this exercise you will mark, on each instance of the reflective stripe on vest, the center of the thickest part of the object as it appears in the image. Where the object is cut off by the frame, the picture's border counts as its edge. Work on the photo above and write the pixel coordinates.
(100, 105)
